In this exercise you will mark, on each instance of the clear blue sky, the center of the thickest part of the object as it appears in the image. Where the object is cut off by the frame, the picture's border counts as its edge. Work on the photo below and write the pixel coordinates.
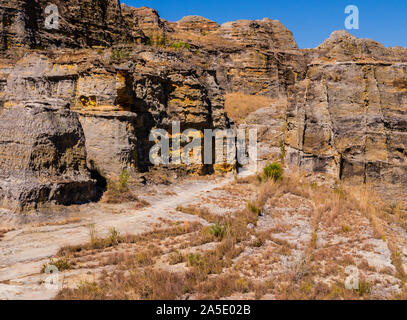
(311, 21)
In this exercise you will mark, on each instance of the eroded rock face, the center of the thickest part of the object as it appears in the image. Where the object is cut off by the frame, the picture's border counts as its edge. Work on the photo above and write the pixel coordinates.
(42, 157)
(145, 19)
(344, 110)
(254, 57)
(119, 99)
(348, 116)
(264, 33)
(82, 23)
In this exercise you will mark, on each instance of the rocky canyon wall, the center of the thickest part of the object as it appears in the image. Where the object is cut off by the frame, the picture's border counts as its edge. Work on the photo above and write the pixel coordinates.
(77, 103)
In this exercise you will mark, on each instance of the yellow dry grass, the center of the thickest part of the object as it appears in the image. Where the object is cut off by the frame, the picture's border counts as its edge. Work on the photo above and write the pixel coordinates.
(239, 105)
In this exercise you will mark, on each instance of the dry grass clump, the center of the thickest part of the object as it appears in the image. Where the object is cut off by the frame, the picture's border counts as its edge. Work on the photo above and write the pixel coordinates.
(136, 278)
(239, 105)
(224, 286)
(115, 194)
(200, 212)
(61, 265)
(176, 258)
(119, 192)
(147, 284)
(114, 238)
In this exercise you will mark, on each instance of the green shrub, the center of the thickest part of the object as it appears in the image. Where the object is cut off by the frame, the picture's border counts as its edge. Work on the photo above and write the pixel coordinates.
(180, 45)
(217, 230)
(273, 171)
(194, 259)
(61, 264)
(123, 180)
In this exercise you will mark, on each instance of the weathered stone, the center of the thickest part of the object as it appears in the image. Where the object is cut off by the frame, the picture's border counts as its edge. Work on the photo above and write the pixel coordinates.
(348, 116)
(81, 23)
(42, 157)
(111, 142)
(346, 100)
(147, 20)
(196, 24)
(264, 33)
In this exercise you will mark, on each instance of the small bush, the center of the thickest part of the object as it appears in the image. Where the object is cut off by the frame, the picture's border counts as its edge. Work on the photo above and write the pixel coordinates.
(118, 191)
(345, 228)
(218, 231)
(114, 236)
(176, 258)
(273, 171)
(100, 243)
(180, 45)
(194, 259)
(124, 180)
(253, 208)
(258, 243)
(61, 264)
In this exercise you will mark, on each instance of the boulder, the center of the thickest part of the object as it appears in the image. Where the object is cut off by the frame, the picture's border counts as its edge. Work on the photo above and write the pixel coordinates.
(42, 157)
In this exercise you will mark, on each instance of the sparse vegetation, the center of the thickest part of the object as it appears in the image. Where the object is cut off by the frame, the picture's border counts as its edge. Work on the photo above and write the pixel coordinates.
(218, 231)
(176, 258)
(157, 40)
(273, 171)
(215, 266)
(239, 105)
(180, 45)
(118, 54)
(119, 192)
(253, 208)
(61, 265)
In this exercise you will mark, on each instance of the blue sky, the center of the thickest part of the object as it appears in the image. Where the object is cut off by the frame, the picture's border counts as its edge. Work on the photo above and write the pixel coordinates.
(311, 21)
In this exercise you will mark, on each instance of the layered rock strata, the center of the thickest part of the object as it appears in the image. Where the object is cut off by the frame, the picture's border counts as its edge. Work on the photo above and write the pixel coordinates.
(341, 107)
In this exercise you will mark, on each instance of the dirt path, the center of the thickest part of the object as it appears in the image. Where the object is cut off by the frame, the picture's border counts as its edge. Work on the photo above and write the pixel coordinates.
(24, 251)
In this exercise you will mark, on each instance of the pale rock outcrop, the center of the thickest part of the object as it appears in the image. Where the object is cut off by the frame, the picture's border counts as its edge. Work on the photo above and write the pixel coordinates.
(42, 157)
(348, 116)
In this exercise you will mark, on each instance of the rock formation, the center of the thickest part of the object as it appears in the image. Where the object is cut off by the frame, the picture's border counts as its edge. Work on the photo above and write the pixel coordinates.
(340, 110)
(42, 157)
(81, 23)
(348, 115)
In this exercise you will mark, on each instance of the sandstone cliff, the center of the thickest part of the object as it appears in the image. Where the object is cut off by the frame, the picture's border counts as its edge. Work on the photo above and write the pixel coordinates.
(111, 73)
(82, 23)
(347, 116)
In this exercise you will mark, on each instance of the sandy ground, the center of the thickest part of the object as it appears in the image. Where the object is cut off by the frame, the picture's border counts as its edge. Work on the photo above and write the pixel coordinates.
(24, 250)
(296, 226)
